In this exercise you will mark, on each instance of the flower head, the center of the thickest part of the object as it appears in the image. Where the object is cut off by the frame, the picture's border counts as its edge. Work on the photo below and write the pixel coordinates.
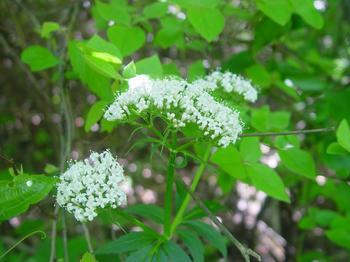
(95, 182)
(181, 102)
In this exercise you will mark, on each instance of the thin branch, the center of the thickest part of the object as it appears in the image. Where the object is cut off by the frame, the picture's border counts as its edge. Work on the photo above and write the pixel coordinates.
(246, 252)
(287, 133)
(88, 238)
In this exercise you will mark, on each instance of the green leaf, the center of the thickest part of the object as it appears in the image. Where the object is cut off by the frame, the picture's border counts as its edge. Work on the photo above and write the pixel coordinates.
(230, 161)
(139, 255)
(47, 28)
(250, 149)
(197, 3)
(114, 11)
(340, 237)
(307, 10)
(95, 113)
(88, 257)
(129, 70)
(279, 11)
(175, 252)
(298, 161)
(151, 212)
(101, 45)
(150, 66)
(195, 70)
(208, 22)
(126, 243)
(210, 234)
(336, 149)
(51, 169)
(193, 243)
(101, 64)
(96, 82)
(343, 135)
(24, 190)
(259, 75)
(155, 10)
(265, 120)
(38, 58)
(267, 180)
(127, 39)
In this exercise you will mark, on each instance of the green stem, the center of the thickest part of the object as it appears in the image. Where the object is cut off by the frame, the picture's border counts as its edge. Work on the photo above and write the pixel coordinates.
(179, 216)
(169, 188)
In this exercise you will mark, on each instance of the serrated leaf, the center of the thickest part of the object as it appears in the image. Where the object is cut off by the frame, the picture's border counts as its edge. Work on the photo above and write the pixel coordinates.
(94, 114)
(343, 135)
(299, 162)
(267, 180)
(210, 234)
(24, 190)
(127, 39)
(193, 243)
(208, 22)
(38, 58)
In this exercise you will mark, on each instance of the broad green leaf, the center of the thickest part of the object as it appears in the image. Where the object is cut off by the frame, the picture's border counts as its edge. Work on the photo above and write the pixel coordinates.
(265, 120)
(193, 243)
(343, 135)
(267, 180)
(175, 252)
(259, 75)
(24, 190)
(336, 149)
(155, 10)
(250, 149)
(197, 3)
(88, 257)
(130, 242)
(101, 65)
(210, 234)
(47, 28)
(94, 114)
(151, 212)
(230, 161)
(171, 69)
(195, 70)
(208, 22)
(299, 162)
(129, 70)
(225, 182)
(307, 10)
(169, 36)
(279, 11)
(51, 169)
(38, 58)
(101, 45)
(127, 39)
(113, 11)
(96, 82)
(340, 237)
(150, 66)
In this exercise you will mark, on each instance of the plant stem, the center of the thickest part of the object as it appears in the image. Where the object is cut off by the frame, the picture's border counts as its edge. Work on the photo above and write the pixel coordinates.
(286, 133)
(169, 188)
(88, 238)
(197, 177)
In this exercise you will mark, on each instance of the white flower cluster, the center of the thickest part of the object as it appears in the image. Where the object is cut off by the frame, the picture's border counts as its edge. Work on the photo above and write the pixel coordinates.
(182, 102)
(93, 183)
